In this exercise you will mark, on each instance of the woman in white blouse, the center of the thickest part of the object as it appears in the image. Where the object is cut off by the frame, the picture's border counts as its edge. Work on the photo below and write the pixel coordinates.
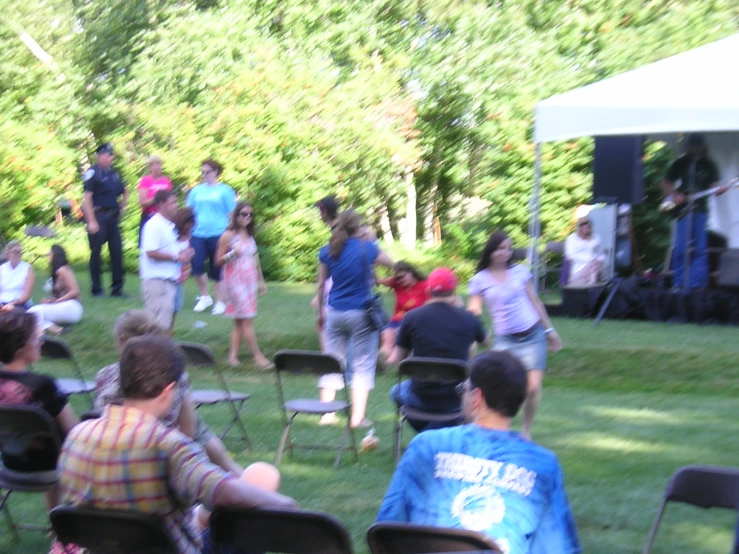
(583, 252)
(16, 279)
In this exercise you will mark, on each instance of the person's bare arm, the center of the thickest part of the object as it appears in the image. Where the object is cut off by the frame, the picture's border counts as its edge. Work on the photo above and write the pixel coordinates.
(474, 304)
(261, 284)
(555, 342)
(387, 281)
(383, 259)
(187, 421)
(397, 355)
(89, 210)
(143, 200)
(67, 419)
(238, 493)
(223, 251)
(124, 201)
(322, 276)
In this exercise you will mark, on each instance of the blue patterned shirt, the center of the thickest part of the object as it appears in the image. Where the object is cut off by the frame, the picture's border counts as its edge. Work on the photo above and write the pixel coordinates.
(484, 480)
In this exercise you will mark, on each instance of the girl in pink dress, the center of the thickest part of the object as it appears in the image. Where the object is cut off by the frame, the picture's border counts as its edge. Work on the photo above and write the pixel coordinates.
(242, 281)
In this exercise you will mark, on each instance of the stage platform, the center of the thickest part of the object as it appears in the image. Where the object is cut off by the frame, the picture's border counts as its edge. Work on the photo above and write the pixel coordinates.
(636, 300)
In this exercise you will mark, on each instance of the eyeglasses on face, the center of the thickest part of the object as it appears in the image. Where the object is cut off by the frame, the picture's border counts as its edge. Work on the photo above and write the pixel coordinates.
(463, 387)
(246, 214)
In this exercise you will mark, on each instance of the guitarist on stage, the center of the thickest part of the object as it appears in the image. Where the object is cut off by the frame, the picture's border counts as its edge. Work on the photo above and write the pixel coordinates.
(696, 172)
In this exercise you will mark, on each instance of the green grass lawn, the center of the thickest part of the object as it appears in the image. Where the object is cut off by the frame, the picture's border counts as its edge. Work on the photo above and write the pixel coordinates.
(625, 405)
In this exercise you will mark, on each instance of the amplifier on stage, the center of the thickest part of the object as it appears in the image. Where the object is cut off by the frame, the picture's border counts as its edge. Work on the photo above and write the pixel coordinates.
(728, 268)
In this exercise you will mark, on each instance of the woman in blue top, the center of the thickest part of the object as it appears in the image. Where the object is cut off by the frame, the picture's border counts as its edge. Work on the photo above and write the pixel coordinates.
(348, 260)
(212, 202)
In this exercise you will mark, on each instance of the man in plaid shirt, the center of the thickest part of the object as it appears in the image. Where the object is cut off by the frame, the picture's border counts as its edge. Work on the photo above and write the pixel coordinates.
(127, 460)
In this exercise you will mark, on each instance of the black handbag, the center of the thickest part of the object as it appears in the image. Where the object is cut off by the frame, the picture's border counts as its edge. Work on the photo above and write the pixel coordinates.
(376, 315)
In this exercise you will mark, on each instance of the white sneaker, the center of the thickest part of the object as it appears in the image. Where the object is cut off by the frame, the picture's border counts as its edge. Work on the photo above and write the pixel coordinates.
(202, 303)
(219, 308)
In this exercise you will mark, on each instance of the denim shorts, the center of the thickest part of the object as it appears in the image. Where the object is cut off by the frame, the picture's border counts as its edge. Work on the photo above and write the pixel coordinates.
(393, 325)
(205, 249)
(531, 349)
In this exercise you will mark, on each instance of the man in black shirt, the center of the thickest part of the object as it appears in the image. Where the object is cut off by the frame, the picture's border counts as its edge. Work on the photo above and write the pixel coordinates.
(439, 329)
(105, 199)
(691, 173)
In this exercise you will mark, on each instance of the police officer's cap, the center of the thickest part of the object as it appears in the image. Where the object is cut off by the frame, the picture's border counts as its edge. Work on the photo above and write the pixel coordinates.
(105, 148)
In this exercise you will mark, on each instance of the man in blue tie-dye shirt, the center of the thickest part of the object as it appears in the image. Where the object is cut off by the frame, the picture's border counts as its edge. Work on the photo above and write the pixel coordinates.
(483, 476)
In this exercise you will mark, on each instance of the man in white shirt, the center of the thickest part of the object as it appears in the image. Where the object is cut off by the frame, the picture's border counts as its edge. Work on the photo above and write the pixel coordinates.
(160, 259)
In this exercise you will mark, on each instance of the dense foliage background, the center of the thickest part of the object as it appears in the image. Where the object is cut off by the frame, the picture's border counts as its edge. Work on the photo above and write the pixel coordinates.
(418, 113)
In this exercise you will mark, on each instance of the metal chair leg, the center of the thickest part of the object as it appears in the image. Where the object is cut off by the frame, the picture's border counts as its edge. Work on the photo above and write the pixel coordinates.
(398, 437)
(352, 438)
(237, 420)
(284, 440)
(340, 449)
(8, 517)
(653, 531)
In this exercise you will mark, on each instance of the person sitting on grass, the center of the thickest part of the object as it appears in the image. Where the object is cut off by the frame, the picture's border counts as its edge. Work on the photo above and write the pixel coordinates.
(20, 345)
(63, 307)
(128, 460)
(483, 476)
(16, 279)
(411, 291)
(182, 414)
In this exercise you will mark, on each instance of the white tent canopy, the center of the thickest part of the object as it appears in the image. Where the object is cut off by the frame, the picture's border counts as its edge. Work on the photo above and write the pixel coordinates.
(694, 91)
(697, 90)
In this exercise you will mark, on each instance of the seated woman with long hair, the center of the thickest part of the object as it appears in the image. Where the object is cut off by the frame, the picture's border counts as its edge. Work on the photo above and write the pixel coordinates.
(182, 414)
(20, 346)
(63, 307)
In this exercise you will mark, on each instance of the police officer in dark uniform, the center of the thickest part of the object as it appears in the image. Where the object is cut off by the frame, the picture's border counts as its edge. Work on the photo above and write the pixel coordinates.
(103, 206)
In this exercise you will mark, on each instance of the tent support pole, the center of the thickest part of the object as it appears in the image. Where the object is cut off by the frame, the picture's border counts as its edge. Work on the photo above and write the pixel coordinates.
(535, 221)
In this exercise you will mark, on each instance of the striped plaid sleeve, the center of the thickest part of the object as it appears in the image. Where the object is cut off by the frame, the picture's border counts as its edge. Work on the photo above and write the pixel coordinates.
(191, 475)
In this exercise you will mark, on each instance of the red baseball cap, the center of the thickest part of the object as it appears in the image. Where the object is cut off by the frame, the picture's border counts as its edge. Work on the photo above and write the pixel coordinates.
(442, 280)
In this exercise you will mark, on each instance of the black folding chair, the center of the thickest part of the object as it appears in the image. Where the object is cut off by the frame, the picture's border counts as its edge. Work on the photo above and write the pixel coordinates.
(701, 486)
(200, 355)
(405, 538)
(284, 531)
(24, 432)
(438, 371)
(315, 363)
(56, 349)
(112, 532)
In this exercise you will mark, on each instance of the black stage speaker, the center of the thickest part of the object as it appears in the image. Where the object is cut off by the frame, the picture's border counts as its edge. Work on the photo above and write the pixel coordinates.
(618, 173)
(728, 268)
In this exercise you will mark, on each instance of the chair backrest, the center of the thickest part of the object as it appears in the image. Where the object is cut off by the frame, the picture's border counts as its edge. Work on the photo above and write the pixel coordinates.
(198, 354)
(405, 538)
(705, 487)
(56, 349)
(438, 370)
(284, 531)
(25, 431)
(112, 532)
(306, 361)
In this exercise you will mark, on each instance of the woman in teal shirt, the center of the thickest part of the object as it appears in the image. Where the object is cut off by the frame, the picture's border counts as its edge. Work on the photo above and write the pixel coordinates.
(212, 203)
